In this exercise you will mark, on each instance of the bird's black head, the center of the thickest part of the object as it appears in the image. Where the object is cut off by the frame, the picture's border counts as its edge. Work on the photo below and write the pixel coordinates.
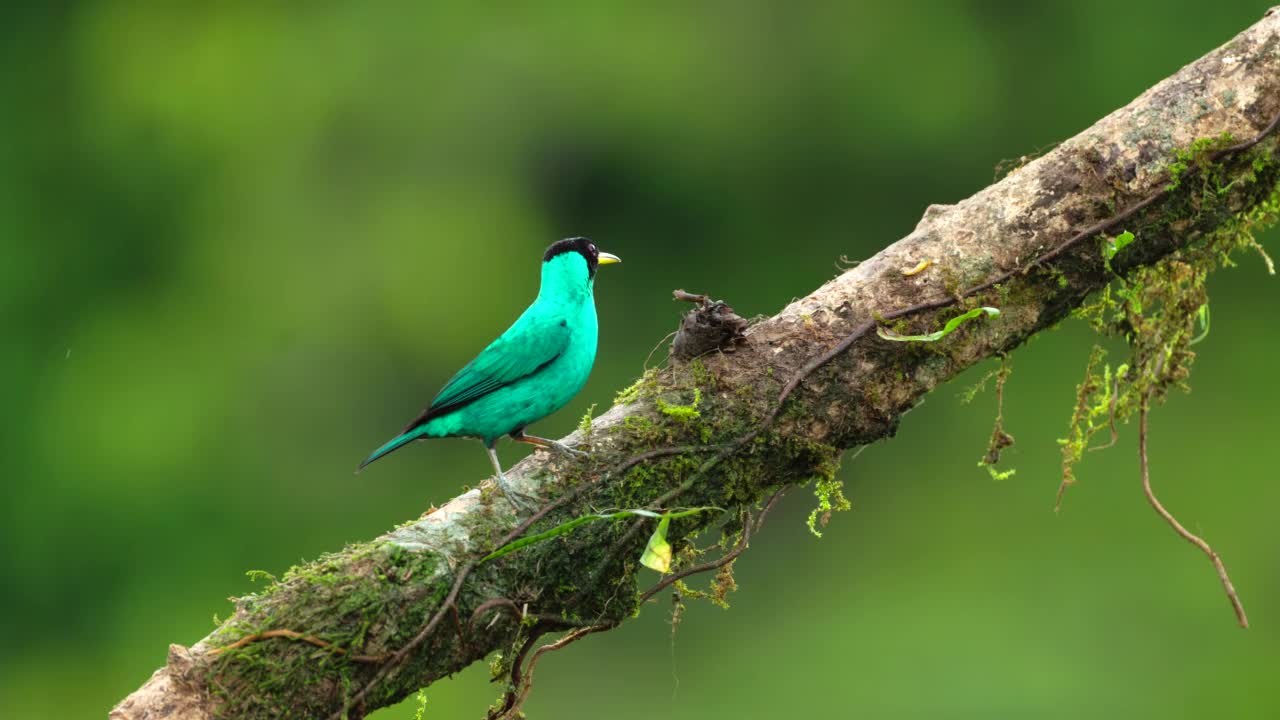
(585, 248)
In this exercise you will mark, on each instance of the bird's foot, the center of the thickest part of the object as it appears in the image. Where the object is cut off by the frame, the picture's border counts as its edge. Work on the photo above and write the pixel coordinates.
(564, 449)
(547, 444)
(522, 502)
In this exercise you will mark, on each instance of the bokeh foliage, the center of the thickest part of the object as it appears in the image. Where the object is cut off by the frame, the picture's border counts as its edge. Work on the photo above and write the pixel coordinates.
(242, 243)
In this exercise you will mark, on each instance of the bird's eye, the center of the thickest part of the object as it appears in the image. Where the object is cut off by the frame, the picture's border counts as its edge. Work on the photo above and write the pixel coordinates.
(592, 248)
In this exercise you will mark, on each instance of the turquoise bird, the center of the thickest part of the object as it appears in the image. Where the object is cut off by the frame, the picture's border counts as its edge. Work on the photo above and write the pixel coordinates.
(532, 370)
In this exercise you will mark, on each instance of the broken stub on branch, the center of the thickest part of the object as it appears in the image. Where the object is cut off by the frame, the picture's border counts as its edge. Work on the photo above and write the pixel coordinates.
(712, 325)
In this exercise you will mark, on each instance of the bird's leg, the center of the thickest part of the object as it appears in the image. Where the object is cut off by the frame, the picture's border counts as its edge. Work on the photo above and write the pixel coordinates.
(511, 494)
(546, 444)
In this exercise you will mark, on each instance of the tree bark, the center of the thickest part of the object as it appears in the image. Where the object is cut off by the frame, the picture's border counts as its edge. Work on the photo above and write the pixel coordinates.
(376, 621)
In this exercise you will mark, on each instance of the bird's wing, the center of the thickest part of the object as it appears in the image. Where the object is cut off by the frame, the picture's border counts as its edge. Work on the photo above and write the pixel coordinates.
(525, 348)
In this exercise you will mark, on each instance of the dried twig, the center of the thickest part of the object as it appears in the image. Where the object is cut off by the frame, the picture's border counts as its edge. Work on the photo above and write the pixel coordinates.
(687, 296)
(1000, 440)
(516, 699)
(1185, 534)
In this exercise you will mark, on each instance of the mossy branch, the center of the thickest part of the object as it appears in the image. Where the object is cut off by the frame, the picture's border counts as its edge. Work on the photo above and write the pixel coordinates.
(732, 429)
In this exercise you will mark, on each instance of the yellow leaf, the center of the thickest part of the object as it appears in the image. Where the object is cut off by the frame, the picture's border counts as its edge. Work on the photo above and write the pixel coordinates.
(657, 554)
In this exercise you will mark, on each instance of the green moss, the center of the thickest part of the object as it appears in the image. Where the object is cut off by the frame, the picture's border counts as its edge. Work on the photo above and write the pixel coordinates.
(745, 392)
(643, 429)
(952, 283)
(260, 576)
(585, 423)
(720, 586)
(421, 712)
(830, 494)
(643, 387)
(341, 599)
(1195, 156)
(645, 482)
(1158, 308)
(682, 413)
(702, 376)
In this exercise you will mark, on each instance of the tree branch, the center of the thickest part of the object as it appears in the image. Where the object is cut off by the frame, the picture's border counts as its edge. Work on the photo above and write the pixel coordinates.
(365, 627)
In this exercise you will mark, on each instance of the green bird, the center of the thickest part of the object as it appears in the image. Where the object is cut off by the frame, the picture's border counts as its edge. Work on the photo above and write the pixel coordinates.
(532, 370)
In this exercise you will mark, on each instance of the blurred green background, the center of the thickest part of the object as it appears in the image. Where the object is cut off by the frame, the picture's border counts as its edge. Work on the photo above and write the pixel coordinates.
(242, 243)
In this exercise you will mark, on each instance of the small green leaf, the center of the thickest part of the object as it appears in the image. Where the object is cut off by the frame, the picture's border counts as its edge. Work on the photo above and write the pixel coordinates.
(1202, 316)
(1118, 243)
(657, 554)
(1115, 245)
(946, 330)
(261, 576)
(998, 475)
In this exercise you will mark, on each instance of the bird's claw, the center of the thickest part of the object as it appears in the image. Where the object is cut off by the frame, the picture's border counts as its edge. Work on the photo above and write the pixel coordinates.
(565, 450)
(517, 498)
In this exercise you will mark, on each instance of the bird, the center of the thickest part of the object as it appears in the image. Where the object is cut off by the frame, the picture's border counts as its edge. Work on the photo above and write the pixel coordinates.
(532, 370)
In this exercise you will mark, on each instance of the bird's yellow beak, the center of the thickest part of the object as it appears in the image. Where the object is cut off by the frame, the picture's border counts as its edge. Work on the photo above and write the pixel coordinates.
(608, 258)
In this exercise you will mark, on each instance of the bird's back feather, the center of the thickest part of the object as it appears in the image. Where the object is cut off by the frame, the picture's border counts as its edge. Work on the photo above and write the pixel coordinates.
(535, 340)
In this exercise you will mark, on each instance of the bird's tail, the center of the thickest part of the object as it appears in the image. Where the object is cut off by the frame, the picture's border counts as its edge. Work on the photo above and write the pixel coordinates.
(392, 445)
